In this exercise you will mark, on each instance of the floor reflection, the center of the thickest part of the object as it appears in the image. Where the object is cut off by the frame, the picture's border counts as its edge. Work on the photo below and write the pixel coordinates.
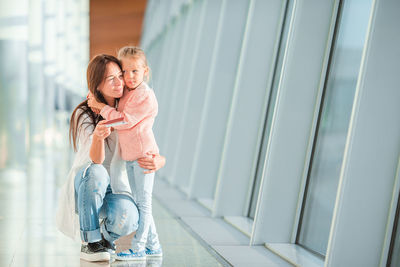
(113, 263)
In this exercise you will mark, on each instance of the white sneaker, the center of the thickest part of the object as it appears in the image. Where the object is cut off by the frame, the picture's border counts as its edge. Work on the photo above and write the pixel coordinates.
(154, 252)
(129, 255)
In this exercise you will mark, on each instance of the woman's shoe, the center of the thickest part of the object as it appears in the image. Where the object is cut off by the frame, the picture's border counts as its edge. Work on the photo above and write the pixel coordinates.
(94, 252)
(108, 245)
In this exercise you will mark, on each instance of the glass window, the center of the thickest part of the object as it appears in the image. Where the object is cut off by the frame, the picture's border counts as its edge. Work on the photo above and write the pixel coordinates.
(332, 128)
(270, 108)
(394, 251)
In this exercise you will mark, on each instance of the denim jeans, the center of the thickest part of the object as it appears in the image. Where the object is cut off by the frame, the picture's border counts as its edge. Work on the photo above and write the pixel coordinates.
(95, 201)
(142, 188)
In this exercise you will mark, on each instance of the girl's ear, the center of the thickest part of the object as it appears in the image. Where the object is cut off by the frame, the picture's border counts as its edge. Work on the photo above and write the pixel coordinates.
(146, 73)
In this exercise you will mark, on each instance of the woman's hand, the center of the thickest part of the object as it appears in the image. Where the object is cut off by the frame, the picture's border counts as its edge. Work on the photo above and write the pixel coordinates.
(101, 131)
(153, 163)
(97, 152)
(93, 104)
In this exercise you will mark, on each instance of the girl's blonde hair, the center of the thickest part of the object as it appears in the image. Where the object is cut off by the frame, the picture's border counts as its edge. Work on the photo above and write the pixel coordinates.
(134, 52)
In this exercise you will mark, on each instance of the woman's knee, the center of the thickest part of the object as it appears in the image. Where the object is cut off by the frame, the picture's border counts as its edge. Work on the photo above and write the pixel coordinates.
(95, 177)
(123, 219)
(97, 173)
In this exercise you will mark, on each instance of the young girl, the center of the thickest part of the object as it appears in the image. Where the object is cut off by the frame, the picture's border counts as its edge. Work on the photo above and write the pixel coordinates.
(138, 106)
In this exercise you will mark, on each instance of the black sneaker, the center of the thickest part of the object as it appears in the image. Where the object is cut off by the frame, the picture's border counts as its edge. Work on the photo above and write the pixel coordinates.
(109, 246)
(94, 252)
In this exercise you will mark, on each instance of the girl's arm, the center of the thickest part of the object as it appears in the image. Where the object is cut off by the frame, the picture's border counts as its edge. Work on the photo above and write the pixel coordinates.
(97, 152)
(139, 106)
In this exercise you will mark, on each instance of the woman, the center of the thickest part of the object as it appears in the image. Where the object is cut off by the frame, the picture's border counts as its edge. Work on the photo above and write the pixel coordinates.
(97, 187)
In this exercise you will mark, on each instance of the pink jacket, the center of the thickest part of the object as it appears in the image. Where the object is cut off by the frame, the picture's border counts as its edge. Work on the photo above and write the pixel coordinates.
(139, 108)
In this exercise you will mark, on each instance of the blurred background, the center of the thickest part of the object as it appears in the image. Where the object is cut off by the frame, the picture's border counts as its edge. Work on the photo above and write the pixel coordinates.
(279, 120)
(45, 49)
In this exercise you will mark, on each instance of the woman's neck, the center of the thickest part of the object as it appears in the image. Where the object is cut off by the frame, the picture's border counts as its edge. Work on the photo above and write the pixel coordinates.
(110, 101)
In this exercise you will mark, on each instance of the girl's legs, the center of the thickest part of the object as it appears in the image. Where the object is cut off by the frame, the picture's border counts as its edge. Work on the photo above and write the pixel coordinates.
(152, 238)
(142, 187)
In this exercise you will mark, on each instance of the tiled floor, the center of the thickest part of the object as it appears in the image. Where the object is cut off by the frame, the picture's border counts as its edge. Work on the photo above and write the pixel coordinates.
(28, 236)
(226, 241)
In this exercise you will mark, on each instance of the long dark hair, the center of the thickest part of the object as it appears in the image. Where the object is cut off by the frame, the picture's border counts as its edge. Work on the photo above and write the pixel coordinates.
(95, 74)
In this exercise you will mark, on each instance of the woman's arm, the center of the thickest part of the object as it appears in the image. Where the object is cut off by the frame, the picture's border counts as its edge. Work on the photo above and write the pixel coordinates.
(97, 152)
(152, 164)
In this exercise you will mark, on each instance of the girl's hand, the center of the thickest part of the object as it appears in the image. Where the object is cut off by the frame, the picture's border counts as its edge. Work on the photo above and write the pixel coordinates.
(152, 163)
(101, 131)
(95, 110)
(93, 104)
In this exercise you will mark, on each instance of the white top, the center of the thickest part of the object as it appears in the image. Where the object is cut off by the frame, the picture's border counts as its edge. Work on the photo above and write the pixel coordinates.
(109, 147)
(66, 219)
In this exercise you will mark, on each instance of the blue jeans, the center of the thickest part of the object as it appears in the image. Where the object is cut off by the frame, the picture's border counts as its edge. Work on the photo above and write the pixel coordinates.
(95, 201)
(142, 189)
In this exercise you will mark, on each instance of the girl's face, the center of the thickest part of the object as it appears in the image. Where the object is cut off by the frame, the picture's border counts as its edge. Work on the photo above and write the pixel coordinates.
(113, 83)
(134, 71)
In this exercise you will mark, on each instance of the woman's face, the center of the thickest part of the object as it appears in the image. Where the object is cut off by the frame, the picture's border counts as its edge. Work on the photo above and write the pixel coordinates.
(113, 83)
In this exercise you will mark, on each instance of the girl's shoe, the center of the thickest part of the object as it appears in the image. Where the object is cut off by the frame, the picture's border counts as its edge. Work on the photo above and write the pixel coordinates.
(154, 252)
(129, 255)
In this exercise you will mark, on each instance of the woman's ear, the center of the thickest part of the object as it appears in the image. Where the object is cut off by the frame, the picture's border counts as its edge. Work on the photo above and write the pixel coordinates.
(98, 95)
